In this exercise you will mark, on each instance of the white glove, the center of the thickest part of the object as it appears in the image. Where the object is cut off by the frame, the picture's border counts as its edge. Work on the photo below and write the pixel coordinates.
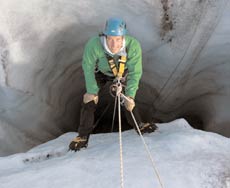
(90, 97)
(129, 104)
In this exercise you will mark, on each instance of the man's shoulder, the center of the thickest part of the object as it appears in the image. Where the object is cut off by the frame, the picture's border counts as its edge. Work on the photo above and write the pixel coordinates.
(94, 45)
(132, 43)
(95, 40)
(131, 38)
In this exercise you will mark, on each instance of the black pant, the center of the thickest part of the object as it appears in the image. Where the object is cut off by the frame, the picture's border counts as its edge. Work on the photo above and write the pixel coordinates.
(87, 111)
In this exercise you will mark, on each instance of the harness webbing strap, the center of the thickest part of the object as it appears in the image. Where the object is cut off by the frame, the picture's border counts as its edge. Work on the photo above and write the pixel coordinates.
(113, 67)
(122, 62)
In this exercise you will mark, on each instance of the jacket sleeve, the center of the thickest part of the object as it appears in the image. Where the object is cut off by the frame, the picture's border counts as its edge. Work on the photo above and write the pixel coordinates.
(88, 65)
(134, 65)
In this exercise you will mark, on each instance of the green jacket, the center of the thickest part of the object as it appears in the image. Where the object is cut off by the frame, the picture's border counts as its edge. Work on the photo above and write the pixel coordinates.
(94, 55)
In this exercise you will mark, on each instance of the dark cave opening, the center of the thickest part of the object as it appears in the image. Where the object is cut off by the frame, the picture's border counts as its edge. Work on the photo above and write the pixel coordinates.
(194, 120)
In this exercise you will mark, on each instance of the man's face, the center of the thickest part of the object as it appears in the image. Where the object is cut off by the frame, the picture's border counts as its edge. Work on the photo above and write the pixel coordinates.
(114, 43)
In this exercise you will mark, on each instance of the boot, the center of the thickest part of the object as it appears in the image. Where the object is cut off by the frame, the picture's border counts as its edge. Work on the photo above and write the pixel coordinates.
(147, 128)
(78, 143)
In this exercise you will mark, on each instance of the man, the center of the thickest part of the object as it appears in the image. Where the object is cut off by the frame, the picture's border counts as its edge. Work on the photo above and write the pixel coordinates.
(113, 53)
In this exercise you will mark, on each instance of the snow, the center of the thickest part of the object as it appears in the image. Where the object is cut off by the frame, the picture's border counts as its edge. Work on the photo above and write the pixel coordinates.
(184, 157)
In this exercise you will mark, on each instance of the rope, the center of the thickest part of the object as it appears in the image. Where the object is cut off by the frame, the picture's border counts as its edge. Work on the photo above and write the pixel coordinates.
(120, 95)
(119, 89)
(148, 152)
(114, 112)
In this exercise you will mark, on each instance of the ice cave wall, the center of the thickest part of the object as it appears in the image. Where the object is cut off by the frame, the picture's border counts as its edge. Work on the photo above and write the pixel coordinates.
(186, 64)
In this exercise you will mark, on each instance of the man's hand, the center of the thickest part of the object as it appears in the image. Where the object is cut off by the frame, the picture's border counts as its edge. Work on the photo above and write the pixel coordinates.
(129, 104)
(90, 97)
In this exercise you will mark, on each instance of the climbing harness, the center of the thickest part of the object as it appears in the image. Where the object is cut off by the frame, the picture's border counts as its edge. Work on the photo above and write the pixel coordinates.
(117, 71)
(120, 98)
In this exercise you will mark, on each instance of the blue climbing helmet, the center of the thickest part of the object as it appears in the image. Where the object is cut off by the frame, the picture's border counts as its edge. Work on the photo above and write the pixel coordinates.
(115, 27)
